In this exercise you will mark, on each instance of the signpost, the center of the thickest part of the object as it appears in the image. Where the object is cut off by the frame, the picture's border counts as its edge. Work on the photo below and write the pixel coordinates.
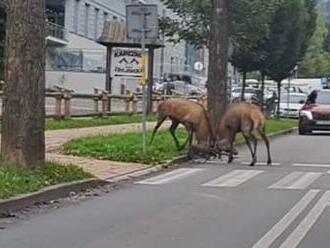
(142, 25)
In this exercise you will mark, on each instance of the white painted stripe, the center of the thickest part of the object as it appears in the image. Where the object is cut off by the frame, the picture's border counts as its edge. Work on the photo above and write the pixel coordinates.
(170, 176)
(283, 224)
(233, 178)
(302, 229)
(311, 165)
(260, 163)
(296, 180)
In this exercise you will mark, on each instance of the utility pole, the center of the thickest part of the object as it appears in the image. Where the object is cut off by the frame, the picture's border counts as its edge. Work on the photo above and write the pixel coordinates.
(142, 23)
(218, 62)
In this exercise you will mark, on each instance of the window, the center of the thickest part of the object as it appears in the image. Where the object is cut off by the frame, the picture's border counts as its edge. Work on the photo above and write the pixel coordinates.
(76, 16)
(114, 18)
(96, 24)
(86, 19)
(105, 16)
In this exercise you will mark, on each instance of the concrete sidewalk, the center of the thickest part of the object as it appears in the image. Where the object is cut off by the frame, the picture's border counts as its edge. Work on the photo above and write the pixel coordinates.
(102, 169)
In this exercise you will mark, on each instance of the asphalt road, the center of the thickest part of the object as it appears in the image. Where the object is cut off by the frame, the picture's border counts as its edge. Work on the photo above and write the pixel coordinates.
(202, 206)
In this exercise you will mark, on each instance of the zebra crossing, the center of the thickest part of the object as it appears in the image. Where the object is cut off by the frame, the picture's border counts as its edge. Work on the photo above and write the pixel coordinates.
(288, 180)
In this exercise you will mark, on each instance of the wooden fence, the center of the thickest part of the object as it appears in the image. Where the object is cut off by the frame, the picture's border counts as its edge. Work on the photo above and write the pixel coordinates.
(102, 102)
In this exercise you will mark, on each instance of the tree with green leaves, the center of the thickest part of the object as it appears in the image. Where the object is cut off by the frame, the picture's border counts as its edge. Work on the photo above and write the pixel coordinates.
(292, 28)
(317, 59)
(250, 30)
(246, 24)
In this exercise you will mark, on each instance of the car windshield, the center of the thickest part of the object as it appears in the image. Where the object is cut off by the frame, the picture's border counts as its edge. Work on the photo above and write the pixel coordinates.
(293, 98)
(323, 97)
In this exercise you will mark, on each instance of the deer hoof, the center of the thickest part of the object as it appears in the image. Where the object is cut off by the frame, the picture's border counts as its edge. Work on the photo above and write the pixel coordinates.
(269, 162)
(252, 163)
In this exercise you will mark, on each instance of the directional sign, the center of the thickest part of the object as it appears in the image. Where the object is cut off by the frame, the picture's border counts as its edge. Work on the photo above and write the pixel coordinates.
(134, 15)
(127, 63)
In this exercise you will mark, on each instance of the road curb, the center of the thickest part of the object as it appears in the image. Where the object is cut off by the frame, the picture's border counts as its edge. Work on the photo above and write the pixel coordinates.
(58, 191)
(47, 194)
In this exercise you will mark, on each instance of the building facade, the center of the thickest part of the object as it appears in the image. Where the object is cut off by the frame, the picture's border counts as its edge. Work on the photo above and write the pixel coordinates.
(74, 58)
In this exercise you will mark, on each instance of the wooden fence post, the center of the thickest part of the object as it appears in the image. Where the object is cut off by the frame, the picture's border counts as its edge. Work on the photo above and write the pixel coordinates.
(67, 105)
(58, 106)
(104, 99)
(134, 104)
(96, 101)
(127, 104)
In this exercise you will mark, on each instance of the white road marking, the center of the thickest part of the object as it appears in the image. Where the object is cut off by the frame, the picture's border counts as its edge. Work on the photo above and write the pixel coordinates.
(170, 176)
(233, 178)
(283, 224)
(311, 165)
(260, 163)
(302, 229)
(296, 180)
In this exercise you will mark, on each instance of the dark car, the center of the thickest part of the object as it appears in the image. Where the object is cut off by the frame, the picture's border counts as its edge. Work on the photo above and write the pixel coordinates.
(315, 114)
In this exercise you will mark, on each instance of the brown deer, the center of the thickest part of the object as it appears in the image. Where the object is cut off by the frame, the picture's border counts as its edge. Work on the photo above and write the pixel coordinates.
(190, 114)
(248, 119)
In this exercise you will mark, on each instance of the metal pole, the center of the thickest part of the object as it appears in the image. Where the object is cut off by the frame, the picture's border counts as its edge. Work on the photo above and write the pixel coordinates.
(144, 127)
(288, 105)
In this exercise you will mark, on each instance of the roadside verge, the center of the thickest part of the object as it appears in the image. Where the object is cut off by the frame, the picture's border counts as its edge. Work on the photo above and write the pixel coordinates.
(63, 190)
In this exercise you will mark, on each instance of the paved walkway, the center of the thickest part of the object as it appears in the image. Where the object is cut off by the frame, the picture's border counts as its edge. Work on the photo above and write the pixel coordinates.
(102, 169)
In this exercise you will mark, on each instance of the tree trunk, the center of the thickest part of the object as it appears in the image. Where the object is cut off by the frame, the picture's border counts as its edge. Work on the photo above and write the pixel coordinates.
(218, 63)
(23, 139)
(278, 99)
(243, 87)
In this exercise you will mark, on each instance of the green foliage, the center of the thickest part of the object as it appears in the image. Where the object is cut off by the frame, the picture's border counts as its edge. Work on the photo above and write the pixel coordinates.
(292, 28)
(317, 60)
(15, 181)
(127, 147)
(193, 24)
(94, 122)
(2, 38)
(248, 21)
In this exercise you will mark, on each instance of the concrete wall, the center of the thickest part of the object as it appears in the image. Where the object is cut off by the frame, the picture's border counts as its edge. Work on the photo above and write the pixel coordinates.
(78, 81)
(82, 82)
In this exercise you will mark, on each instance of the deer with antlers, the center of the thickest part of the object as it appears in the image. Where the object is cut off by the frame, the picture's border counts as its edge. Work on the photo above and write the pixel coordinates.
(191, 115)
(250, 121)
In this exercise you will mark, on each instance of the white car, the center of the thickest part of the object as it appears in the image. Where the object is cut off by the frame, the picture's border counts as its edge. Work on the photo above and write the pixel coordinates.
(291, 104)
(250, 92)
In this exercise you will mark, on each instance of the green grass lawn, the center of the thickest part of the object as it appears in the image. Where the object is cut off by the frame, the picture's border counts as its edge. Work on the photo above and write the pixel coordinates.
(94, 122)
(127, 147)
(15, 181)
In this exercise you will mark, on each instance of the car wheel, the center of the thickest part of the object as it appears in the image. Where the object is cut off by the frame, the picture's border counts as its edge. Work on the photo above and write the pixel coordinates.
(303, 131)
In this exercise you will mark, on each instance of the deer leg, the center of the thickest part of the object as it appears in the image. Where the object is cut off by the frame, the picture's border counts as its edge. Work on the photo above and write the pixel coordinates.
(172, 129)
(255, 143)
(246, 137)
(191, 133)
(187, 140)
(231, 148)
(159, 123)
(264, 137)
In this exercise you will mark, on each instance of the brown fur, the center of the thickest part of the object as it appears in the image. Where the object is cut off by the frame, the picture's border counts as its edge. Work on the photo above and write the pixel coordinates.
(248, 119)
(190, 114)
